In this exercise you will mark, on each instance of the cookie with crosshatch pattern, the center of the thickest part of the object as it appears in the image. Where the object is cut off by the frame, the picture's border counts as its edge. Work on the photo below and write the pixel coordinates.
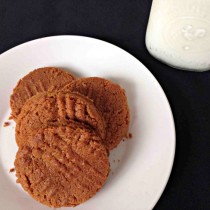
(62, 165)
(39, 80)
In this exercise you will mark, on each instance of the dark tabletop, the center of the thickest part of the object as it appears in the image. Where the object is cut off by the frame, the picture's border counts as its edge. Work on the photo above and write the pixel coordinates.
(123, 23)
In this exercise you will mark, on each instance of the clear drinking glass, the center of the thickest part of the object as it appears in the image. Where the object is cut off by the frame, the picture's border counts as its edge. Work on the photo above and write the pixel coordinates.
(178, 33)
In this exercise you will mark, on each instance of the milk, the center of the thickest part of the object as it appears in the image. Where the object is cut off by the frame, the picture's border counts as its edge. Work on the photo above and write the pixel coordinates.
(178, 33)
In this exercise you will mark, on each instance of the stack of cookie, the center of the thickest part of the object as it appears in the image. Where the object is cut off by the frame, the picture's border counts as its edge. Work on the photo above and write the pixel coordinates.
(65, 128)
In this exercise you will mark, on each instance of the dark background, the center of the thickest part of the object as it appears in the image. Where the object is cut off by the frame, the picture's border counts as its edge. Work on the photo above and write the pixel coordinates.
(123, 23)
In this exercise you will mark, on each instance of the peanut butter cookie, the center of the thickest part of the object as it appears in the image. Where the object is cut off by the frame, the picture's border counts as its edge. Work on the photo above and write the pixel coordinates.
(62, 166)
(110, 99)
(39, 80)
(48, 108)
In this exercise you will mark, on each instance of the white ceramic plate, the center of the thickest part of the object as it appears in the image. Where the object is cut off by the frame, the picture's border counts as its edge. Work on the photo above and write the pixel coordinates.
(140, 167)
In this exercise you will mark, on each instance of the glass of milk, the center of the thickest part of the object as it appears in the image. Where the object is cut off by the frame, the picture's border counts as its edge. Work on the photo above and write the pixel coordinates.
(178, 33)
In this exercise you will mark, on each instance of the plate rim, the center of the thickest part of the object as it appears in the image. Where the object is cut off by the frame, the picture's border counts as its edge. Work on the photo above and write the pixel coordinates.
(170, 112)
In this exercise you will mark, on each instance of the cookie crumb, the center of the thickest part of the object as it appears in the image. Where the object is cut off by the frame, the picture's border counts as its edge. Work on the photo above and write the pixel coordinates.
(12, 170)
(130, 135)
(10, 117)
(118, 160)
(6, 124)
(113, 161)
